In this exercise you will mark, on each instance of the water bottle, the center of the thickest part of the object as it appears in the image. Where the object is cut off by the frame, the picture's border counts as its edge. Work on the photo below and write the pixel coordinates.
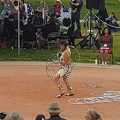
(96, 61)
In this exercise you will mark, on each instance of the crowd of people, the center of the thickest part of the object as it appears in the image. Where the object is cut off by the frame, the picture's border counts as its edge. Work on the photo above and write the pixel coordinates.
(54, 111)
(33, 22)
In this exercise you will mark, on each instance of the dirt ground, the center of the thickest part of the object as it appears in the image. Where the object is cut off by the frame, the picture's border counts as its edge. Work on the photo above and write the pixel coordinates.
(25, 87)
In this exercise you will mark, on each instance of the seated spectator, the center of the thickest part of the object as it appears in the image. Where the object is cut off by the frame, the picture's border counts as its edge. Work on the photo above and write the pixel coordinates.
(40, 117)
(38, 22)
(46, 30)
(29, 35)
(113, 23)
(29, 32)
(57, 8)
(57, 22)
(106, 44)
(14, 116)
(92, 115)
(54, 111)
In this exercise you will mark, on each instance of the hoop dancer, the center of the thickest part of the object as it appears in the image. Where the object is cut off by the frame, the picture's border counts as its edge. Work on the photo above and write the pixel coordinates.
(64, 62)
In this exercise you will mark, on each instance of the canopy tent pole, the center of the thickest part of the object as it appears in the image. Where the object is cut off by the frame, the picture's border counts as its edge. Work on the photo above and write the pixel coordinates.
(43, 11)
(18, 28)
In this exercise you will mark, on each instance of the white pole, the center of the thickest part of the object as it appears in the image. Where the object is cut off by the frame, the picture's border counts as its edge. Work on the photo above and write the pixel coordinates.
(43, 11)
(18, 29)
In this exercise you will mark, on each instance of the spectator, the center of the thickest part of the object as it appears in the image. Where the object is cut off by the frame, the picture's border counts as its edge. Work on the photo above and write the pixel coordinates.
(14, 116)
(40, 117)
(38, 21)
(54, 111)
(57, 8)
(40, 10)
(5, 11)
(42, 5)
(1, 28)
(46, 30)
(57, 22)
(2, 4)
(106, 44)
(92, 115)
(9, 30)
(29, 32)
(113, 23)
(76, 6)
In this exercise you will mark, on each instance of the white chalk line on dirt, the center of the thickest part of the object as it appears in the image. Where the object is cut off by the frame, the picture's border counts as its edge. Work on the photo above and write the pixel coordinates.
(99, 97)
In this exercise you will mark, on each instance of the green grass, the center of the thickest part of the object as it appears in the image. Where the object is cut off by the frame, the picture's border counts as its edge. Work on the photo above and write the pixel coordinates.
(111, 5)
(86, 55)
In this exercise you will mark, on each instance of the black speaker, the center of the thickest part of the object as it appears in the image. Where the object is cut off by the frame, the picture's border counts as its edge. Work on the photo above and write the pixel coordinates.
(96, 4)
(101, 4)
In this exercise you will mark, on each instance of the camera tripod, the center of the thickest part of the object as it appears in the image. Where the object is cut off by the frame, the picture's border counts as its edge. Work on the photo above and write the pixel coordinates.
(92, 38)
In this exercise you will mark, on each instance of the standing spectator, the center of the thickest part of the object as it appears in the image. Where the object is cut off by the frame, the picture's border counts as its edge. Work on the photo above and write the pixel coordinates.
(57, 8)
(10, 30)
(106, 44)
(40, 8)
(54, 111)
(14, 116)
(112, 21)
(2, 3)
(92, 115)
(40, 117)
(76, 8)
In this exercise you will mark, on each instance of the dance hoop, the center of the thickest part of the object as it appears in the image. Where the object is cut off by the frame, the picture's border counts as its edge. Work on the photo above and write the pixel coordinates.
(52, 68)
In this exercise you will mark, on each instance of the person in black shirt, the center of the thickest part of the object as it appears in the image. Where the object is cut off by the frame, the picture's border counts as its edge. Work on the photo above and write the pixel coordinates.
(76, 6)
(38, 21)
(51, 26)
(10, 30)
(54, 111)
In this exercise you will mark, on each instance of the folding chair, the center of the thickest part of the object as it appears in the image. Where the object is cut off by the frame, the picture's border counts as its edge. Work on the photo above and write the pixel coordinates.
(110, 58)
(52, 40)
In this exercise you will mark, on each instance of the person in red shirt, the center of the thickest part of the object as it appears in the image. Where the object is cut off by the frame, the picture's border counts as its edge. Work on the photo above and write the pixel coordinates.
(57, 8)
(106, 44)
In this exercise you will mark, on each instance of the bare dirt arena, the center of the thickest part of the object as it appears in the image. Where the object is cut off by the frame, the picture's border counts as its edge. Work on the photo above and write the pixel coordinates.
(25, 87)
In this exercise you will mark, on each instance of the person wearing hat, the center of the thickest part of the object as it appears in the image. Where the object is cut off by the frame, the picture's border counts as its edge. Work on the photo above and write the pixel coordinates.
(57, 8)
(14, 116)
(54, 111)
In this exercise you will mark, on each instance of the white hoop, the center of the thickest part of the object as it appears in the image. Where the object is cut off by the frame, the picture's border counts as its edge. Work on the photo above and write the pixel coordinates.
(52, 68)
